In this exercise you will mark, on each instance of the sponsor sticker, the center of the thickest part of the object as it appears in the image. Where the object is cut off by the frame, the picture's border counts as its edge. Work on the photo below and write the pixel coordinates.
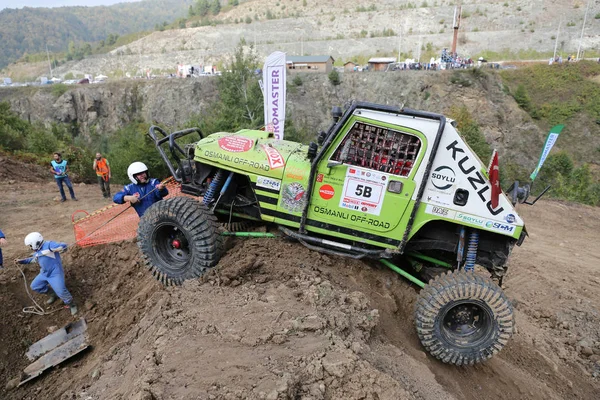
(510, 218)
(495, 226)
(470, 219)
(320, 178)
(441, 190)
(326, 192)
(443, 178)
(274, 157)
(293, 197)
(500, 227)
(440, 211)
(236, 144)
(268, 183)
(295, 172)
(363, 190)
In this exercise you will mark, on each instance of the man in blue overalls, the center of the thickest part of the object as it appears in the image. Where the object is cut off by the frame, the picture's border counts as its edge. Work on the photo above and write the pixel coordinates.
(47, 254)
(60, 169)
(143, 191)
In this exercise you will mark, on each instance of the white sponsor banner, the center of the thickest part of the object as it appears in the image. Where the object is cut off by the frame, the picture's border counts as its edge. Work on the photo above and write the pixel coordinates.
(274, 74)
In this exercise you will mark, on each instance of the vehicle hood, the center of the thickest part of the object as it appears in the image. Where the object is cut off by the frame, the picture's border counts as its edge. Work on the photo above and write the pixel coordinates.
(257, 152)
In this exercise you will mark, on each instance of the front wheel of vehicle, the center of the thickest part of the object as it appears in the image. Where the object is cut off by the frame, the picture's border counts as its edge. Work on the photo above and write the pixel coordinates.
(179, 239)
(463, 318)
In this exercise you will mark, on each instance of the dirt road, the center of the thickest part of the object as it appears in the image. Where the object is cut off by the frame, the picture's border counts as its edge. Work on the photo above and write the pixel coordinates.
(277, 321)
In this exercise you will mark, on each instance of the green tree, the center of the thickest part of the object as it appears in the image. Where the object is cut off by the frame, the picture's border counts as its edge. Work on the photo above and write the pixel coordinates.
(522, 98)
(469, 129)
(215, 7)
(112, 39)
(334, 77)
(191, 12)
(297, 80)
(130, 144)
(202, 7)
(241, 100)
(239, 88)
(13, 130)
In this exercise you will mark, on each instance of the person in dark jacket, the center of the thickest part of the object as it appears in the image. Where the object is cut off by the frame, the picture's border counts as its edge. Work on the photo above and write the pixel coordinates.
(2, 243)
(51, 279)
(143, 191)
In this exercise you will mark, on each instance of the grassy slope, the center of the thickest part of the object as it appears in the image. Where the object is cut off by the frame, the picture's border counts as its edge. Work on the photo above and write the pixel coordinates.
(564, 94)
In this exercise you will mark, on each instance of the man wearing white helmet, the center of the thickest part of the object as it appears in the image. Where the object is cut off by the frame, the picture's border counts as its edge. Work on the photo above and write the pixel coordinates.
(143, 191)
(51, 279)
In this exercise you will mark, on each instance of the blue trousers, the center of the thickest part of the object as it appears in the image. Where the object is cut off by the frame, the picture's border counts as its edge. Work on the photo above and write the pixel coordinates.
(67, 181)
(56, 280)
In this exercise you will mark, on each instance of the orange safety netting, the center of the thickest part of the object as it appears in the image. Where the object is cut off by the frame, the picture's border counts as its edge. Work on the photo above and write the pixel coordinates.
(113, 223)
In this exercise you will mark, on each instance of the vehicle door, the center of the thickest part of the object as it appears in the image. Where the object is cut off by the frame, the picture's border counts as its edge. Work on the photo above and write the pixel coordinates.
(365, 182)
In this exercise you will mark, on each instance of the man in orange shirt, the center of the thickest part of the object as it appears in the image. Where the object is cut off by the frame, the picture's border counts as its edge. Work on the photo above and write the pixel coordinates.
(102, 169)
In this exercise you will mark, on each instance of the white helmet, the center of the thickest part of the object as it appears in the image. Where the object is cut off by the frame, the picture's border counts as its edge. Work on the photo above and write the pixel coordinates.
(134, 169)
(34, 240)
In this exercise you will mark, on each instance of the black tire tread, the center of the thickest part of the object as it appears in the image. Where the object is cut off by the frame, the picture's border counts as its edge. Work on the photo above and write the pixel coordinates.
(206, 245)
(460, 285)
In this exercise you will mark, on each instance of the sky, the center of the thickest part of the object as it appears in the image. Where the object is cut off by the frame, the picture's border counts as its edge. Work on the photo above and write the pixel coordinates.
(58, 3)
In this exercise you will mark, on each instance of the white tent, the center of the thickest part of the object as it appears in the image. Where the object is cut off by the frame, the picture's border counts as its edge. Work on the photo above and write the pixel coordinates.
(101, 78)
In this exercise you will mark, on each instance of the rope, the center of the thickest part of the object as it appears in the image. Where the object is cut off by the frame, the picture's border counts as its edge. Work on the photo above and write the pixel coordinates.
(36, 308)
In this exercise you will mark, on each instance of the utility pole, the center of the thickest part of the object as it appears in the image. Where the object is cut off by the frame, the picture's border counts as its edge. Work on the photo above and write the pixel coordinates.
(399, 41)
(583, 28)
(456, 25)
(556, 42)
(49, 64)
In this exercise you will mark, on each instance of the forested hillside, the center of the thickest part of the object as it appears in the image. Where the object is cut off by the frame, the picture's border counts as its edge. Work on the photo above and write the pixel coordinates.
(30, 30)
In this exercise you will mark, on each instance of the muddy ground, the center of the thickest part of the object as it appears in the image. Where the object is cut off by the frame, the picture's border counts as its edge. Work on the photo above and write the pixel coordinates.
(278, 321)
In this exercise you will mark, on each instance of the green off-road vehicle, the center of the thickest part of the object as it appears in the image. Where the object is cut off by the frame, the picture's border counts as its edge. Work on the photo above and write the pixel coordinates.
(384, 183)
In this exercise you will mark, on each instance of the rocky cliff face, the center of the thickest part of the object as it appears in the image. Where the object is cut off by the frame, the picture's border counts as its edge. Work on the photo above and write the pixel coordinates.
(104, 108)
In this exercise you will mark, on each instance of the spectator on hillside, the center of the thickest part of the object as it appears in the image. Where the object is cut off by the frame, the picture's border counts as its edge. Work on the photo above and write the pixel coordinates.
(60, 169)
(102, 169)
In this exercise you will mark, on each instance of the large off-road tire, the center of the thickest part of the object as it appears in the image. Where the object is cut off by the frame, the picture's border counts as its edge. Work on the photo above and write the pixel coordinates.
(179, 239)
(463, 318)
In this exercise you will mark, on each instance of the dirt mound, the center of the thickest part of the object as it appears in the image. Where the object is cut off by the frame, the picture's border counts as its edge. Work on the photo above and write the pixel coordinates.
(12, 169)
(263, 325)
(111, 290)
(275, 320)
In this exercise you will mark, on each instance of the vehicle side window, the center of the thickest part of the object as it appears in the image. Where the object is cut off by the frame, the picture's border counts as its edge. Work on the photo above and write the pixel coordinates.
(380, 149)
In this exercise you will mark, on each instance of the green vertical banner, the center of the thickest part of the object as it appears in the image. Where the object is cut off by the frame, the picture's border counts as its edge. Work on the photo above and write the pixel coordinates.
(550, 140)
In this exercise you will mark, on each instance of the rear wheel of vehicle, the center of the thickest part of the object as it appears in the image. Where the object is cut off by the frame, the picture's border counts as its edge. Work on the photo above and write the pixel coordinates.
(463, 318)
(179, 239)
